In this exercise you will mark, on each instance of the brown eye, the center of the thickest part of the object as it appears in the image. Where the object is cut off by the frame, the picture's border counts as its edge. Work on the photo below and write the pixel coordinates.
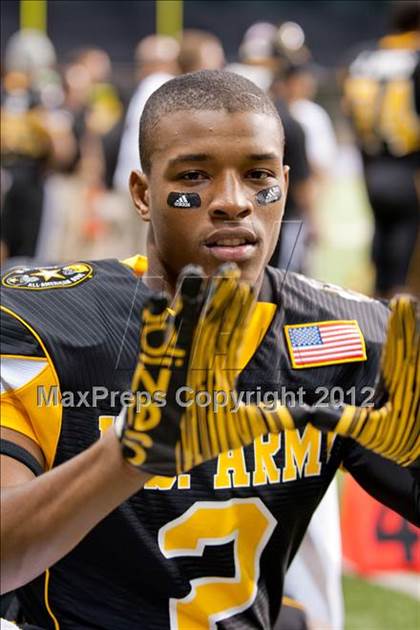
(259, 174)
(191, 176)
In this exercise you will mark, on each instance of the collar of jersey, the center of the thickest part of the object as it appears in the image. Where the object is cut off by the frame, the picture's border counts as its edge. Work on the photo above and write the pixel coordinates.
(257, 326)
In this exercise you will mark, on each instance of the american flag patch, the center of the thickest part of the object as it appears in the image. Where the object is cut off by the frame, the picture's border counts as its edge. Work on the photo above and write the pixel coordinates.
(325, 343)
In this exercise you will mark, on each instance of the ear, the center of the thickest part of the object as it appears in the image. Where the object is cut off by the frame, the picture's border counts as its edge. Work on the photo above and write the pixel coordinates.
(286, 170)
(139, 189)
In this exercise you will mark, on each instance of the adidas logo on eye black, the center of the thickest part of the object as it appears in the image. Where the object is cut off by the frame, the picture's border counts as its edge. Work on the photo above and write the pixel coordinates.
(182, 202)
(272, 195)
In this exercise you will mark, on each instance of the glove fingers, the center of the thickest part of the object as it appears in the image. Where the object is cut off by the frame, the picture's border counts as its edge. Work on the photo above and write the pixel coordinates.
(403, 376)
(221, 428)
(157, 327)
(211, 325)
(156, 330)
(390, 350)
(190, 281)
(220, 291)
(401, 340)
(231, 328)
(188, 304)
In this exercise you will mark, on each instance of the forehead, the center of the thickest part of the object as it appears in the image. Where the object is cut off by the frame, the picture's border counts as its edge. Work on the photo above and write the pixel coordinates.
(218, 133)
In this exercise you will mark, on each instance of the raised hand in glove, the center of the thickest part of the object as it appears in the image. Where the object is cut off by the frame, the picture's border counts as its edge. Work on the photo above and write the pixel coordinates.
(207, 430)
(149, 430)
(193, 348)
(392, 427)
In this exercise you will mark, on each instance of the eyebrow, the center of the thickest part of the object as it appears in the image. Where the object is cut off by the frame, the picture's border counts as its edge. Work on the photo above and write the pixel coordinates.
(204, 157)
(189, 157)
(260, 157)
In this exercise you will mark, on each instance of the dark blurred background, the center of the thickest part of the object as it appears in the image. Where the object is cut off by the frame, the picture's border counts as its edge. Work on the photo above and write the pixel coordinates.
(331, 26)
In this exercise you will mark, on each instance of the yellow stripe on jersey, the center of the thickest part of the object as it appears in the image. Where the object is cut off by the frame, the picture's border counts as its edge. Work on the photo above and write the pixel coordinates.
(25, 409)
(256, 329)
(137, 263)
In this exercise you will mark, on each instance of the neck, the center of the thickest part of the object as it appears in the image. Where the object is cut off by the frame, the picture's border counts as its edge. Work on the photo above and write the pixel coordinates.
(158, 277)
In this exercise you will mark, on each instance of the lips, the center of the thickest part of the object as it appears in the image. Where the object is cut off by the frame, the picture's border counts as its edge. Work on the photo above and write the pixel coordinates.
(229, 242)
(234, 244)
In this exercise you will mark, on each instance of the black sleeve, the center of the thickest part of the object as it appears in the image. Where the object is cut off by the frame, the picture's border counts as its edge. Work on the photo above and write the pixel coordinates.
(396, 487)
(21, 455)
(16, 339)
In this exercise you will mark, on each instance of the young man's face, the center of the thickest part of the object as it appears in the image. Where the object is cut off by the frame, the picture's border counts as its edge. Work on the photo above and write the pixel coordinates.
(225, 159)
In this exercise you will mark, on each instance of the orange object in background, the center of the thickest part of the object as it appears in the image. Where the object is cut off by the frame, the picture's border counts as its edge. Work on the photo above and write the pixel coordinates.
(376, 538)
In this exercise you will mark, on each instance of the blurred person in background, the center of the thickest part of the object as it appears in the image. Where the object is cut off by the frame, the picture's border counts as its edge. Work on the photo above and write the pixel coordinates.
(92, 100)
(34, 141)
(382, 99)
(300, 82)
(299, 222)
(156, 62)
(104, 114)
(291, 246)
(200, 50)
(25, 151)
(87, 219)
(256, 61)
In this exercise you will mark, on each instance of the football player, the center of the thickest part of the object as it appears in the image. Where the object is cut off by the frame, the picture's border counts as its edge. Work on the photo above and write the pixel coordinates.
(185, 510)
(382, 99)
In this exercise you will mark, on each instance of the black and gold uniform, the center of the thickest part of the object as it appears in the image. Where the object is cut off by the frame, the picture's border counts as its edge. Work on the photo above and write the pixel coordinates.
(382, 98)
(213, 545)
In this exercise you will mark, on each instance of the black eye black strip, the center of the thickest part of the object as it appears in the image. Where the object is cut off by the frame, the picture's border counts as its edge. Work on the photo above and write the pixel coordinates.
(184, 200)
(268, 195)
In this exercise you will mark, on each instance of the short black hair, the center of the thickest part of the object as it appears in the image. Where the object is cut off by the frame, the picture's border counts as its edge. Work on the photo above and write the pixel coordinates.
(203, 90)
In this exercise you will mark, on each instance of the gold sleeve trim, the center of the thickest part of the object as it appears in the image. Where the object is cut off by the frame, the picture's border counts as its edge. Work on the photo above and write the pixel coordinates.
(47, 603)
(22, 356)
(23, 409)
(12, 417)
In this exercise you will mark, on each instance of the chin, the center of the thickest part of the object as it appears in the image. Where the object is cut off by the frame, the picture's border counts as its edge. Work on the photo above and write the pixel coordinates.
(251, 276)
(251, 271)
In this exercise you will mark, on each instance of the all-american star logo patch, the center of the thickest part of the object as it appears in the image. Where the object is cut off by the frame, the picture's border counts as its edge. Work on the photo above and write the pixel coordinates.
(325, 343)
(54, 277)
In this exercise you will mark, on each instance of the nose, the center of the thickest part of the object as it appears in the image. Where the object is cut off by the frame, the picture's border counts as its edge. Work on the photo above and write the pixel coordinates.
(229, 201)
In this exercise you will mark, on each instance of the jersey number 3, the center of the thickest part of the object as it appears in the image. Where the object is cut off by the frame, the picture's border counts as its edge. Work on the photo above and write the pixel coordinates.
(246, 522)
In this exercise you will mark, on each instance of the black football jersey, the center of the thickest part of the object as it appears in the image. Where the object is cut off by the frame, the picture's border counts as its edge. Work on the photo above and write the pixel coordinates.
(382, 96)
(207, 549)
